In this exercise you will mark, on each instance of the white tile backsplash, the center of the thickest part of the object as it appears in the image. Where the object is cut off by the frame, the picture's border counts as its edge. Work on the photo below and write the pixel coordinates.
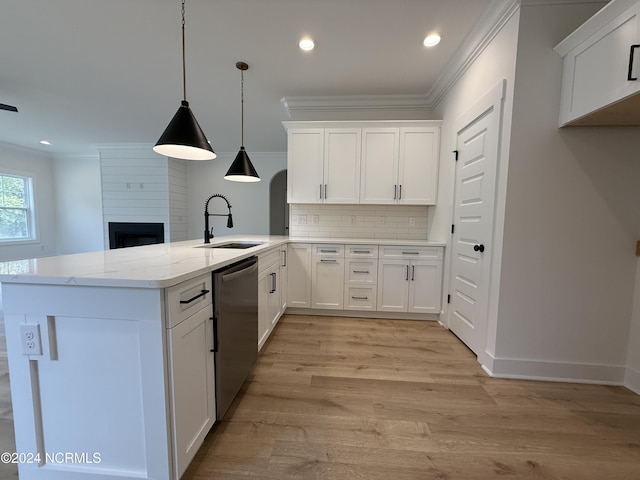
(359, 221)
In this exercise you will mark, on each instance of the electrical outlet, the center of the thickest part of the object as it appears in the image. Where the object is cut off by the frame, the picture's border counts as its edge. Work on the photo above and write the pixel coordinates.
(316, 219)
(302, 219)
(30, 336)
(412, 221)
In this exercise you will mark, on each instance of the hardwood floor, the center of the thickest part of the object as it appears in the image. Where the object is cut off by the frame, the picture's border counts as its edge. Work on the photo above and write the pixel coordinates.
(343, 398)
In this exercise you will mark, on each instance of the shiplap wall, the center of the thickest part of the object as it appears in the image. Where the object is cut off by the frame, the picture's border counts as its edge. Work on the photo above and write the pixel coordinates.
(139, 185)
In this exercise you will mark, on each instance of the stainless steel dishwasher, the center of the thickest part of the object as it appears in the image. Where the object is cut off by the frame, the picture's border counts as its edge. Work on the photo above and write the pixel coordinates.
(235, 326)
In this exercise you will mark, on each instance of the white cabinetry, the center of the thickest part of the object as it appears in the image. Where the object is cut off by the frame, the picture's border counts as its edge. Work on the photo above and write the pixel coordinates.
(374, 162)
(269, 293)
(360, 277)
(400, 165)
(601, 68)
(323, 165)
(299, 275)
(409, 279)
(327, 277)
(191, 368)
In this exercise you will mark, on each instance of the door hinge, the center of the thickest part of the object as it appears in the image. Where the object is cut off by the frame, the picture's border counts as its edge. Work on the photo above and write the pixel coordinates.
(456, 152)
(453, 229)
(448, 298)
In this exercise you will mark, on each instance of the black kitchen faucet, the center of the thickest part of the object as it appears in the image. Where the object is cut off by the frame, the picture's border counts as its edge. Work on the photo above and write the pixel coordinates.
(208, 235)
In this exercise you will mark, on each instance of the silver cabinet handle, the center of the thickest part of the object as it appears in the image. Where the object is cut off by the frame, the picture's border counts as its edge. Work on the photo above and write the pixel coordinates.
(320, 191)
(328, 251)
(361, 271)
(406, 277)
(273, 283)
(284, 258)
(325, 260)
(362, 251)
(411, 253)
(413, 272)
(325, 191)
(400, 195)
(359, 298)
(395, 192)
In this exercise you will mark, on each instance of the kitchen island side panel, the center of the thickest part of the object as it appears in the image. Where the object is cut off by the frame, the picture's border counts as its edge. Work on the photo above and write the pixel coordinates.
(94, 404)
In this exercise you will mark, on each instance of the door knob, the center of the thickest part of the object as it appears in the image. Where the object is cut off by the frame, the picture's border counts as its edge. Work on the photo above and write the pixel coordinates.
(478, 248)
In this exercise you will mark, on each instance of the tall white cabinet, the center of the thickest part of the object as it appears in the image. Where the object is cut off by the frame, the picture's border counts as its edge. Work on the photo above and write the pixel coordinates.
(374, 162)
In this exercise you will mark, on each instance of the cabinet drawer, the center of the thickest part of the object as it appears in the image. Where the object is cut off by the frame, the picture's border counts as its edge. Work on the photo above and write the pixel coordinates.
(411, 253)
(268, 258)
(187, 298)
(359, 297)
(361, 251)
(361, 271)
(328, 250)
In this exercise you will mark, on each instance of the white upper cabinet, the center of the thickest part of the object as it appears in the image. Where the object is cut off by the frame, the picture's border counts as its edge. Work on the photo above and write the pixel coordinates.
(323, 165)
(341, 165)
(602, 68)
(305, 157)
(373, 162)
(400, 165)
(379, 178)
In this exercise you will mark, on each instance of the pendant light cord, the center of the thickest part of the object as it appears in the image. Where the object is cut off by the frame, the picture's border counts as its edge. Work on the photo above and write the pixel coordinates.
(184, 63)
(242, 106)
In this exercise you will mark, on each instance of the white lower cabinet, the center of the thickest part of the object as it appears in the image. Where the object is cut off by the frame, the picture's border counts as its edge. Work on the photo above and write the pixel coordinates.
(365, 278)
(409, 279)
(269, 293)
(192, 386)
(327, 277)
(191, 367)
(299, 275)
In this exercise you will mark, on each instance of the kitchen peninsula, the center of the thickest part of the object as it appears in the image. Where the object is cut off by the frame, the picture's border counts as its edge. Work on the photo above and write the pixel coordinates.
(110, 352)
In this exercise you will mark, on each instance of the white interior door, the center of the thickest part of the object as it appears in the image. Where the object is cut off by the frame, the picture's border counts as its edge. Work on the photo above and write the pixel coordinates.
(476, 167)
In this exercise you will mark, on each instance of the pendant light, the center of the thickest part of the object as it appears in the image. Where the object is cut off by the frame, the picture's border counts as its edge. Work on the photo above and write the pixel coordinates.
(183, 138)
(241, 169)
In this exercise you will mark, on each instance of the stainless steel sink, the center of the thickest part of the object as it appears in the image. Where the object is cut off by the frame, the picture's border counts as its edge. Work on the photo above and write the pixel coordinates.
(236, 245)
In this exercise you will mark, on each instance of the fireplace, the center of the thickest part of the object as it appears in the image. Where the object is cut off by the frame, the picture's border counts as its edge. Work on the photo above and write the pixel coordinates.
(127, 234)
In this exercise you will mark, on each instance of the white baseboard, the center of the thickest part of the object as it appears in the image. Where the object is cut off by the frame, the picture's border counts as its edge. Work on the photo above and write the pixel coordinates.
(362, 314)
(554, 371)
(632, 380)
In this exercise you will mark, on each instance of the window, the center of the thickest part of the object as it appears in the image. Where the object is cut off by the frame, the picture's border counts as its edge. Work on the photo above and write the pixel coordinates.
(16, 210)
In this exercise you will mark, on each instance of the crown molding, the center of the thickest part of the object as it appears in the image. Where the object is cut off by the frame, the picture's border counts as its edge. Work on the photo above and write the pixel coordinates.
(295, 105)
(496, 15)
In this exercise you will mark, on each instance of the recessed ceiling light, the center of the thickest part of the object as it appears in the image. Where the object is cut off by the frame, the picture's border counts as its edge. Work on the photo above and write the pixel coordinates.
(45, 142)
(431, 40)
(306, 44)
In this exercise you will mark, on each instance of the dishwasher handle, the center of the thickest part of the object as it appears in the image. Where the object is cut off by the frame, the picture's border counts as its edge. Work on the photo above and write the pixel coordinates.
(228, 277)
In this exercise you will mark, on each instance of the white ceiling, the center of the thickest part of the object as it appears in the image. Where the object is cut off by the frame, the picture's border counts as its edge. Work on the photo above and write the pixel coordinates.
(95, 72)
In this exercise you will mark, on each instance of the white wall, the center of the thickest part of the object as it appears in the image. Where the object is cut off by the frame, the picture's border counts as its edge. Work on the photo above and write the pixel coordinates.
(14, 159)
(632, 378)
(78, 203)
(249, 201)
(568, 270)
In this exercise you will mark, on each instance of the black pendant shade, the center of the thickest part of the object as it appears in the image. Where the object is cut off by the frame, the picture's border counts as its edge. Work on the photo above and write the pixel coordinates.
(241, 169)
(183, 137)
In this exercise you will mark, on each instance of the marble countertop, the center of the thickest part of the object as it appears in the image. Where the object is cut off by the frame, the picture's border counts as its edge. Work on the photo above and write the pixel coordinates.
(155, 266)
